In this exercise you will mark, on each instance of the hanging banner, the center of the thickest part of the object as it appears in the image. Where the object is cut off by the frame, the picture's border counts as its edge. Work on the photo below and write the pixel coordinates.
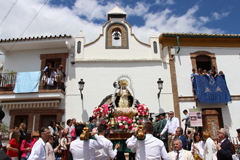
(195, 116)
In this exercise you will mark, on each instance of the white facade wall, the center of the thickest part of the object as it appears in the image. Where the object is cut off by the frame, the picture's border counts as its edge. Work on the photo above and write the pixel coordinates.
(99, 78)
(26, 61)
(228, 61)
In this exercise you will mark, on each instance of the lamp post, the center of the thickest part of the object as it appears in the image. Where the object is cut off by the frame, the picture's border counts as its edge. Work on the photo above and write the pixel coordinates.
(160, 86)
(81, 86)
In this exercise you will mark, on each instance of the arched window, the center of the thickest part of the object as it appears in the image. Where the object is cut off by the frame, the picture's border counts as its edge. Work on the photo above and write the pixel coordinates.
(203, 59)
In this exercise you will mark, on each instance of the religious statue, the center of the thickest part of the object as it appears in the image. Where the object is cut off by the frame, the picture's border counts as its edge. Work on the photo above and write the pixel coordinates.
(124, 98)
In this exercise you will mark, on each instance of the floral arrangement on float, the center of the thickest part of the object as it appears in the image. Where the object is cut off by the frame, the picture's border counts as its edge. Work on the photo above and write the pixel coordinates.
(101, 114)
(123, 123)
(143, 111)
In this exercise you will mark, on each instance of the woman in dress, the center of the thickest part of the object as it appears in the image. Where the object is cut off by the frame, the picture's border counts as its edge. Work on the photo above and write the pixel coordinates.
(50, 152)
(210, 149)
(197, 147)
(53, 128)
(13, 145)
(27, 145)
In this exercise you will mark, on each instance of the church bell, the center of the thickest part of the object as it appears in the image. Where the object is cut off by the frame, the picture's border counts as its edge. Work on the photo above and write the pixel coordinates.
(116, 36)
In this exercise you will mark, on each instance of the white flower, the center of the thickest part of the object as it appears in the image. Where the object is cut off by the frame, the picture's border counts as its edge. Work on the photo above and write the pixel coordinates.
(106, 115)
(134, 120)
(124, 122)
(119, 121)
(137, 117)
(126, 126)
(120, 124)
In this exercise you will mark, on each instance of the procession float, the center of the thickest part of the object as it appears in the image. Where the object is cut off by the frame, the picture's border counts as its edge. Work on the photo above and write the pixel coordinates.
(121, 112)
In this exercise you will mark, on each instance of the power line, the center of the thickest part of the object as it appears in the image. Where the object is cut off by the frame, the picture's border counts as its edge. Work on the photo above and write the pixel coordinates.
(8, 12)
(33, 18)
(29, 24)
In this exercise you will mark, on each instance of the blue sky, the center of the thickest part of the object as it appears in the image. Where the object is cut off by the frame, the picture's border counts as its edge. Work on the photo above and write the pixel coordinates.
(145, 16)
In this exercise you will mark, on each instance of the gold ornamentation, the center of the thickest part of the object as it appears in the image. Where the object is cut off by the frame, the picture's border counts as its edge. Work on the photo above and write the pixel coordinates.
(85, 135)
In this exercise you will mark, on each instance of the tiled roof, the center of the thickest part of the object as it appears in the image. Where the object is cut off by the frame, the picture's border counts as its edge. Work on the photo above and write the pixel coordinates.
(36, 38)
(200, 35)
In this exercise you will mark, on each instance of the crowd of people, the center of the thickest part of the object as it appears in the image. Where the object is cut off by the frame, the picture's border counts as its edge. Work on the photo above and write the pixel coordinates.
(53, 78)
(164, 139)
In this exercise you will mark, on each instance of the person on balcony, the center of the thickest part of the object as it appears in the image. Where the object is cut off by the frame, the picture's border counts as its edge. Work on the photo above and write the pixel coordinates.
(51, 81)
(47, 68)
(60, 77)
(213, 71)
(200, 72)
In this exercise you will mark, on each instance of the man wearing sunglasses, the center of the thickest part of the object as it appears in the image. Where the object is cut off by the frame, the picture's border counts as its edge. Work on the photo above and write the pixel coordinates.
(38, 151)
(171, 126)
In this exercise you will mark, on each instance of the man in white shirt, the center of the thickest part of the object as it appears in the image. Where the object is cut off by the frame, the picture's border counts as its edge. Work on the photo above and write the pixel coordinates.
(84, 149)
(107, 152)
(179, 153)
(171, 127)
(186, 118)
(38, 151)
(151, 148)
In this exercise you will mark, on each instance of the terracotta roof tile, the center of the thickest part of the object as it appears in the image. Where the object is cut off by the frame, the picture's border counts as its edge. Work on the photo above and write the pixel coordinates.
(35, 38)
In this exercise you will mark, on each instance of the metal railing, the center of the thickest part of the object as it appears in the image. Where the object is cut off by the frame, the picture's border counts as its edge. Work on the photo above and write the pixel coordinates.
(8, 79)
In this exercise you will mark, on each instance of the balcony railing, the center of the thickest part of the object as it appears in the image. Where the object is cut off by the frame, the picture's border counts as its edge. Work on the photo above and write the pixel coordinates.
(8, 81)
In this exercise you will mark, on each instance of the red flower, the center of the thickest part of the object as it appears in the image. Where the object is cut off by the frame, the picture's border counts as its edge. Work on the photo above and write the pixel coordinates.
(122, 126)
(130, 127)
(108, 126)
(100, 114)
(103, 122)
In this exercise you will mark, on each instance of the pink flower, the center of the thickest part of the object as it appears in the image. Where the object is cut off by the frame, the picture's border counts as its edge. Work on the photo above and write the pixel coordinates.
(129, 121)
(100, 114)
(122, 126)
(95, 115)
(108, 126)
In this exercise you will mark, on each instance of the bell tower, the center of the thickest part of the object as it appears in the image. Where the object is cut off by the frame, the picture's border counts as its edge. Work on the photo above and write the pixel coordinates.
(117, 31)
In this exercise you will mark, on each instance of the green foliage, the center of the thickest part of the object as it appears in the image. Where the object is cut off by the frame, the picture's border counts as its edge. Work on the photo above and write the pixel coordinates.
(4, 130)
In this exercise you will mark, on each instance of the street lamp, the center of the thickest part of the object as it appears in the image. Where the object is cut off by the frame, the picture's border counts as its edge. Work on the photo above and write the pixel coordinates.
(160, 86)
(81, 86)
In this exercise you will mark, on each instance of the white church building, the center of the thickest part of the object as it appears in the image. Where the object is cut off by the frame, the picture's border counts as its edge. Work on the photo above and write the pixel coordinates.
(114, 55)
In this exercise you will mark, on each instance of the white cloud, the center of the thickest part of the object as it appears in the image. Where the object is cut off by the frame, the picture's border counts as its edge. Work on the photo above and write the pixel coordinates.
(204, 19)
(170, 2)
(55, 20)
(218, 16)
(139, 9)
